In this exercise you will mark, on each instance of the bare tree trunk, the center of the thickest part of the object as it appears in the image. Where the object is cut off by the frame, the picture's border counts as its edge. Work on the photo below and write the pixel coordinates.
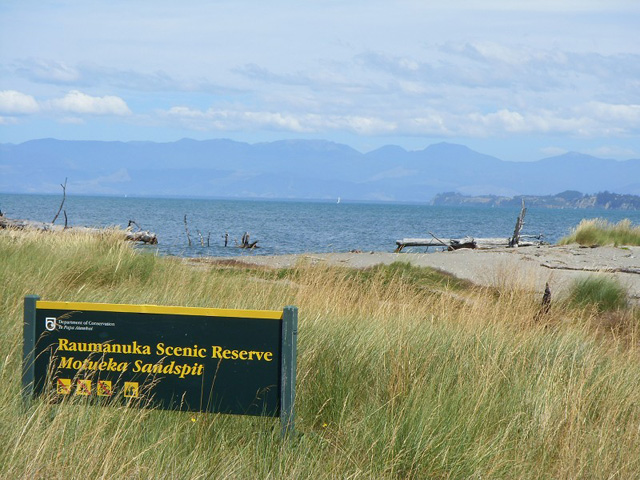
(515, 240)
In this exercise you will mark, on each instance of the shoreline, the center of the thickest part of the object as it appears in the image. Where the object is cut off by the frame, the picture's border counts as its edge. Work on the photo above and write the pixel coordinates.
(529, 267)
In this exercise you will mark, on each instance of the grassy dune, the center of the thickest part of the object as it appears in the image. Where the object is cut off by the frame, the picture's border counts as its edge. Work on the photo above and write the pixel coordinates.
(402, 373)
(601, 232)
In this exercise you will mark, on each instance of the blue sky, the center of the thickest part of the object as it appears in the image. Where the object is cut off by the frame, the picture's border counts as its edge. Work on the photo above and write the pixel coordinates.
(520, 80)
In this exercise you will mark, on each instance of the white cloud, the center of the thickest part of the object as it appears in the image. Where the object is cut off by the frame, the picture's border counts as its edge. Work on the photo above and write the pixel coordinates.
(625, 114)
(613, 152)
(8, 121)
(213, 119)
(71, 120)
(81, 103)
(553, 6)
(553, 151)
(47, 71)
(545, 121)
(590, 120)
(17, 103)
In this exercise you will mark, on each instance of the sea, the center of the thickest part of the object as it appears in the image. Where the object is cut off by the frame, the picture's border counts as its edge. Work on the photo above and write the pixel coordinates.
(284, 226)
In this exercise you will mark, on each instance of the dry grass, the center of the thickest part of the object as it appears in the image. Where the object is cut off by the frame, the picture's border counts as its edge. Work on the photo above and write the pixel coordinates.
(601, 232)
(402, 374)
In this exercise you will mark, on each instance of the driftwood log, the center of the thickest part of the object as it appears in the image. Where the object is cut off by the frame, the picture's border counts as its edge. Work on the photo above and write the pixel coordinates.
(141, 236)
(467, 242)
(589, 269)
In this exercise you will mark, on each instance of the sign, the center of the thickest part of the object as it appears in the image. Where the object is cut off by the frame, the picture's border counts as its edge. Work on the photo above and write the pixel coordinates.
(178, 358)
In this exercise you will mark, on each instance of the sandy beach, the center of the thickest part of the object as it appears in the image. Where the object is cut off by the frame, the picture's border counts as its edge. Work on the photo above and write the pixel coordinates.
(530, 267)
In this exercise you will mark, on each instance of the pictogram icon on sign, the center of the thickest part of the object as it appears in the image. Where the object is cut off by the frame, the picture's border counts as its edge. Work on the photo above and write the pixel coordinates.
(103, 388)
(131, 389)
(63, 386)
(84, 387)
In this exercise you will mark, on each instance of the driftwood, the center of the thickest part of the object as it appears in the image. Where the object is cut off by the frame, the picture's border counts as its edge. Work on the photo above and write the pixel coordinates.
(631, 270)
(467, 242)
(15, 224)
(132, 223)
(515, 239)
(140, 235)
(186, 228)
(245, 243)
(18, 224)
(438, 239)
(64, 197)
(143, 237)
(470, 242)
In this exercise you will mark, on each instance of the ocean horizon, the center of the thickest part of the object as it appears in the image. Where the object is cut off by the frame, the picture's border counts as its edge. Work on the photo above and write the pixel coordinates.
(286, 226)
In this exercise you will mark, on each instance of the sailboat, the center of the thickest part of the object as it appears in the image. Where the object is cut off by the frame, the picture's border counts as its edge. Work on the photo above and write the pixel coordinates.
(338, 200)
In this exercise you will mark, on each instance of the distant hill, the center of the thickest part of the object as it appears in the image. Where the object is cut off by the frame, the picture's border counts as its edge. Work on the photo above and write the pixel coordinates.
(567, 199)
(299, 169)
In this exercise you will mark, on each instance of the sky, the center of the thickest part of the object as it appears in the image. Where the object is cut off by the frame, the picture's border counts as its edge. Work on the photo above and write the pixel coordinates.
(520, 80)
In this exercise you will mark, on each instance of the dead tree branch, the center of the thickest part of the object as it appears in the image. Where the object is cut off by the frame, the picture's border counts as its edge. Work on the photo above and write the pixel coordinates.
(133, 222)
(186, 228)
(438, 239)
(64, 196)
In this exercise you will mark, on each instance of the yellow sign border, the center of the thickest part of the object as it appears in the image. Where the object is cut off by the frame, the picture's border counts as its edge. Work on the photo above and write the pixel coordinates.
(159, 309)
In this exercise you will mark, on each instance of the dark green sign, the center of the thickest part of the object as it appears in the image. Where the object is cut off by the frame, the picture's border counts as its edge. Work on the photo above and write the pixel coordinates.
(179, 358)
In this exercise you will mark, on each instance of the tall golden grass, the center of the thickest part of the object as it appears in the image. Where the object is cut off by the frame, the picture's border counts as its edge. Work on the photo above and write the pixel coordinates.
(401, 374)
(601, 232)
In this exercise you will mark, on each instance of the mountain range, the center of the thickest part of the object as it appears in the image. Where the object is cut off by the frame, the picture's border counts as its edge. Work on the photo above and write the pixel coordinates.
(297, 169)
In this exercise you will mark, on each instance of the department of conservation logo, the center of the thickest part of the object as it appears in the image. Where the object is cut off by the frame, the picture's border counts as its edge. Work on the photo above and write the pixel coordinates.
(50, 323)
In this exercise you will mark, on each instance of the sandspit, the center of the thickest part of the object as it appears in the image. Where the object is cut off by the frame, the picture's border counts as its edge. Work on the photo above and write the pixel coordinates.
(530, 267)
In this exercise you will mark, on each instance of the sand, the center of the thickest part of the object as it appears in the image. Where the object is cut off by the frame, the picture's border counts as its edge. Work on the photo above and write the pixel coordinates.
(531, 267)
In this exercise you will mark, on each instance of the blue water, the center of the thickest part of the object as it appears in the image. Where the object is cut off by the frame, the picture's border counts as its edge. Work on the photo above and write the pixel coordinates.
(294, 227)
